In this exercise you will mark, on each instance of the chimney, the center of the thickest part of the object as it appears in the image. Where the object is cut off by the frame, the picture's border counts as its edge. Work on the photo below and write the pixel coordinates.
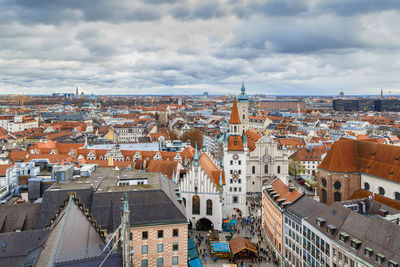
(291, 187)
(383, 212)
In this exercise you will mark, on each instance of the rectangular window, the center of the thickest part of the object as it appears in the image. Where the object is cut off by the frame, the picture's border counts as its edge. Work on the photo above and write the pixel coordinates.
(240, 162)
(235, 189)
(230, 189)
(130, 236)
(145, 249)
(160, 234)
(160, 248)
(175, 246)
(145, 235)
(240, 171)
(235, 199)
(240, 181)
(175, 260)
(231, 162)
(175, 232)
(145, 263)
(160, 262)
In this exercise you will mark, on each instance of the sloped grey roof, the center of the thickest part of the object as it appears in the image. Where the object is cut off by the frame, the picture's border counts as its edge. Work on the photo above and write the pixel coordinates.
(334, 214)
(18, 217)
(19, 244)
(157, 206)
(53, 200)
(305, 206)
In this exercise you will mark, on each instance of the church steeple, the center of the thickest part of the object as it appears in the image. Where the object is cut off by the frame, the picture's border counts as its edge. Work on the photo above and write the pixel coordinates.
(196, 157)
(235, 120)
(204, 149)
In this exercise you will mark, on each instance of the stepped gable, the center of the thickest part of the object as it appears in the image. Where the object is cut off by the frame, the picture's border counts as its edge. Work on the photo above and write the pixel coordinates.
(235, 114)
(212, 171)
(341, 157)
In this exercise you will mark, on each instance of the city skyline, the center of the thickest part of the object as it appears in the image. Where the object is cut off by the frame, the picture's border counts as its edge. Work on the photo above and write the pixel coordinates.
(177, 47)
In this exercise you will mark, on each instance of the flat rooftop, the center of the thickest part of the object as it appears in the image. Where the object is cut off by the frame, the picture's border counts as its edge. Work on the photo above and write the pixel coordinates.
(132, 147)
(105, 180)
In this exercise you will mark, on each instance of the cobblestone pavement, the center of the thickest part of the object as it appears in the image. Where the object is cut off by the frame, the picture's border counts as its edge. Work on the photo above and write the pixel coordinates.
(243, 231)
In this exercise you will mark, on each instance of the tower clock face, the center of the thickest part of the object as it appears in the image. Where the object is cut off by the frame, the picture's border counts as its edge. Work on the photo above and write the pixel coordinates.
(235, 156)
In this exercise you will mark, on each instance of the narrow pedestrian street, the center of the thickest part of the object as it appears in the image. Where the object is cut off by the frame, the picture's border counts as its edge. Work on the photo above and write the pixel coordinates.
(249, 227)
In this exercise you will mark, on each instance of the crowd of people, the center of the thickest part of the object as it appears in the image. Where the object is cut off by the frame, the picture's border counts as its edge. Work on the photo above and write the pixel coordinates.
(249, 227)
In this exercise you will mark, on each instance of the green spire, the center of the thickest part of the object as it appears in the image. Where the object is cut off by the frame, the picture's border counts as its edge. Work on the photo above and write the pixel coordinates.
(173, 175)
(221, 184)
(196, 157)
(243, 89)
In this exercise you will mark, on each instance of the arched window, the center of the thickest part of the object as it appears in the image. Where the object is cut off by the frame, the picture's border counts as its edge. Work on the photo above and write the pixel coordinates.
(265, 168)
(324, 196)
(196, 205)
(337, 196)
(366, 186)
(234, 129)
(184, 201)
(209, 207)
(397, 196)
(279, 169)
(323, 182)
(337, 185)
(244, 116)
(381, 191)
(253, 169)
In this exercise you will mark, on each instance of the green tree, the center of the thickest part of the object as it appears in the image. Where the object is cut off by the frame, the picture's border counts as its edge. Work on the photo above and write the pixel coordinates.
(195, 136)
(296, 168)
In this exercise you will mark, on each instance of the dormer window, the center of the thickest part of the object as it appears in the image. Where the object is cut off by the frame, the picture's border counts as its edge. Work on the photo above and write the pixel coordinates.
(320, 221)
(331, 229)
(380, 258)
(343, 236)
(392, 263)
(368, 252)
(355, 243)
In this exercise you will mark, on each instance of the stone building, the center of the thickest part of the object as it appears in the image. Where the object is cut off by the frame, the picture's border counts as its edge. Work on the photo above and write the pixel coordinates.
(353, 164)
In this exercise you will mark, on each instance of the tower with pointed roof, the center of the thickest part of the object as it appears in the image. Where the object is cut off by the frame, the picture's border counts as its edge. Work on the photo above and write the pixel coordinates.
(235, 153)
(243, 108)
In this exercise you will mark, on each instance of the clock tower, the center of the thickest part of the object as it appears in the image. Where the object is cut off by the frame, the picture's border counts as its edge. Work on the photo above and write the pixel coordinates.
(235, 151)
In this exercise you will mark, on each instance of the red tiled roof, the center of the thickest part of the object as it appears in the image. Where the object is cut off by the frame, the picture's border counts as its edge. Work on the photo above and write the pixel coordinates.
(235, 114)
(284, 192)
(235, 143)
(166, 167)
(341, 157)
(3, 168)
(209, 167)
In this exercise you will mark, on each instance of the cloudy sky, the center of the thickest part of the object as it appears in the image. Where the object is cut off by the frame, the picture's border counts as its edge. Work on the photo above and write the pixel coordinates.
(297, 47)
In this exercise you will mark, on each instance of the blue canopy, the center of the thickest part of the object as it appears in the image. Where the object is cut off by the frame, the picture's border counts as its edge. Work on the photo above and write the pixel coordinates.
(195, 263)
(220, 246)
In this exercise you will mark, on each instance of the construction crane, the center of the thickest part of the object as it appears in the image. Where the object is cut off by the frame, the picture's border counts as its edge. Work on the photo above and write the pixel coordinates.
(18, 99)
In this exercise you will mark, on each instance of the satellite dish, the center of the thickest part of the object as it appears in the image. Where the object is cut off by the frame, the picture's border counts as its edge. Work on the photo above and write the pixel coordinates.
(370, 197)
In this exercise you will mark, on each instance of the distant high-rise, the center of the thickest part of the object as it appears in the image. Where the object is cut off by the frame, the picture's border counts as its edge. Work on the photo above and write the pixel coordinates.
(76, 92)
(382, 94)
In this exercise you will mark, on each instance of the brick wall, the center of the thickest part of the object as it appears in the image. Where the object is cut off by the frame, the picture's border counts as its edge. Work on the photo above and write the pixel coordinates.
(167, 241)
(350, 182)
